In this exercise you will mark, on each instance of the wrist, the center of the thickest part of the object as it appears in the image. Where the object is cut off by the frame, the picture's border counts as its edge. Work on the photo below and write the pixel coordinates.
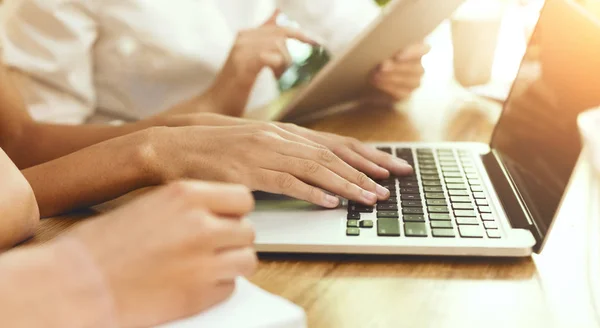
(148, 157)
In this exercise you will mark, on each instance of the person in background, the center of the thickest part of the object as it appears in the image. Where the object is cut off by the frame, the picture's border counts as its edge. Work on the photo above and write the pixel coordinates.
(134, 59)
(84, 278)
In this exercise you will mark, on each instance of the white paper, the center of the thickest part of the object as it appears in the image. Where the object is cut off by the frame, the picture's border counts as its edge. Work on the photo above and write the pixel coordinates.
(248, 307)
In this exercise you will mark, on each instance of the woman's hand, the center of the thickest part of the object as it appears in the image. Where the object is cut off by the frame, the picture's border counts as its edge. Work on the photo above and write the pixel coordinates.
(400, 75)
(269, 158)
(253, 50)
(173, 253)
(367, 159)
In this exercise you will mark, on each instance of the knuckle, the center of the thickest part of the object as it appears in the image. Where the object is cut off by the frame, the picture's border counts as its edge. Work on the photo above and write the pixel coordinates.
(252, 262)
(270, 127)
(352, 142)
(284, 181)
(326, 155)
(182, 190)
(249, 231)
(362, 179)
(314, 195)
(350, 187)
(311, 167)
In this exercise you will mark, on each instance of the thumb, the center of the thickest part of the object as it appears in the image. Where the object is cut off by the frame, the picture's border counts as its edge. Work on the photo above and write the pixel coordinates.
(273, 19)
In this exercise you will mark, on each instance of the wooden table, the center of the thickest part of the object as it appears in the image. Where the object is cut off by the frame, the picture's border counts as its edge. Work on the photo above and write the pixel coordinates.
(357, 291)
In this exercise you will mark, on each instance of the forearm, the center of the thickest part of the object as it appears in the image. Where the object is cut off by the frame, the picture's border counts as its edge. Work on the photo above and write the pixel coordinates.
(93, 175)
(37, 143)
(56, 285)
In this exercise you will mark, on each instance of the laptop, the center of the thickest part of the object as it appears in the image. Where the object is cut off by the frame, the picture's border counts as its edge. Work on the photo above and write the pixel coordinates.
(468, 198)
(341, 80)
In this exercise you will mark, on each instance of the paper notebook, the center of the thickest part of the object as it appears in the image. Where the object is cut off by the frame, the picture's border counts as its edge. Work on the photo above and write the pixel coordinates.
(248, 307)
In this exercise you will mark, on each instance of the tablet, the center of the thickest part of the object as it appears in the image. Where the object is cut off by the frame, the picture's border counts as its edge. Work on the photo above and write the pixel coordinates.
(345, 78)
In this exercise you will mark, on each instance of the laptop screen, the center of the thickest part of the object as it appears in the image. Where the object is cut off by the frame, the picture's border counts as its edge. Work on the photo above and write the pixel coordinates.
(537, 136)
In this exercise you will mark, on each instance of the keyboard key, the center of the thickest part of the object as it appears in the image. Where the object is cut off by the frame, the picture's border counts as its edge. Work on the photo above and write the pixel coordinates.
(476, 188)
(430, 195)
(391, 200)
(412, 210)
(360, 209)
(388, 228)
(411, 178)
(470, 170)
(387, 215)
(465, 214)
(430, 177)
(474, 182)
(479, 195)
(368, 224)
(439, 217)
(352, 232)
(412, 203)
(432, 172)
(450, 169)
(452, 174)
(433, 189)
(472, 176)
(456, 186)
(485, 209)
(443, 233)
(463, 206)
(352, 224)
(471, 231)
(446, 157)
(454, 180)
(427, 161)
(411, 197)
(493, 234)
(467, 221)
(436, 202)
(448, 163)
(411, 184)
(438, 209)
(387, 207)
(441, 224)
(353, 216)
(458, 193)
(482, 202)
(413, 218)
(409, 190)
(414, 229)
(435, 183)
(490, 224)
(427, 167)
(487, 217)
(460, 199)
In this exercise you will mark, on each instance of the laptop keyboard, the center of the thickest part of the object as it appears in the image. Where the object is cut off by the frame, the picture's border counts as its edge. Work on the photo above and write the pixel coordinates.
(444, 198)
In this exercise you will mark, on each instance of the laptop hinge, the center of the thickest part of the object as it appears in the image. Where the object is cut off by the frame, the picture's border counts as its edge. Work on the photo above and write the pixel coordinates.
(516, 211)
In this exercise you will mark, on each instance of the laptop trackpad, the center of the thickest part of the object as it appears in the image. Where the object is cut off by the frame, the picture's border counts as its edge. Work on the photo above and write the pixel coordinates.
(266, 202)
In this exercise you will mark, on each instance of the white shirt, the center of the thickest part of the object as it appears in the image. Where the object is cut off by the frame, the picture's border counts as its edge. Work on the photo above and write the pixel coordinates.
(136, 58)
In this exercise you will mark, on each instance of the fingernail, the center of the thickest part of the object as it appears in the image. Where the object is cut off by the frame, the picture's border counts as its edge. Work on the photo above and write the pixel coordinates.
(331, 201)
(382, 192)
(369, 197)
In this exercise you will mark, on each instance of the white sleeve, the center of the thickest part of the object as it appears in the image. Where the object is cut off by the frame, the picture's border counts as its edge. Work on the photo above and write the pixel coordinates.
(336, 22)
(49, 43)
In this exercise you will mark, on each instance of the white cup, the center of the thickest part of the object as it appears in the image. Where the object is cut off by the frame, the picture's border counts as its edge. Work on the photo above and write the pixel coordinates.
(475, 27)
